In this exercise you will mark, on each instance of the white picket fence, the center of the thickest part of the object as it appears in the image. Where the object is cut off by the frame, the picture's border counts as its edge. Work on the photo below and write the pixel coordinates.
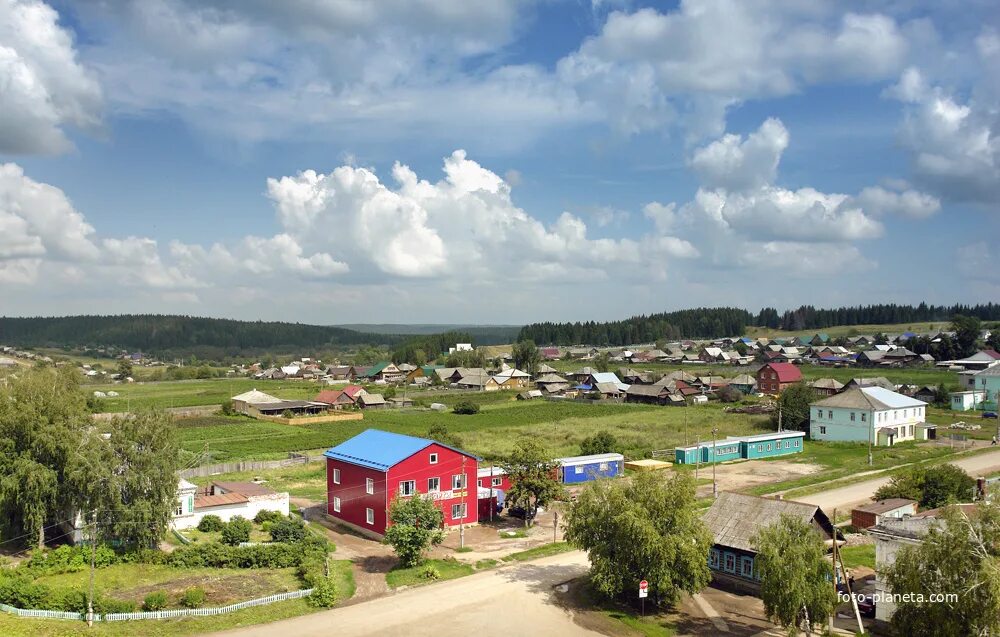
(161, 614)
(45, 614)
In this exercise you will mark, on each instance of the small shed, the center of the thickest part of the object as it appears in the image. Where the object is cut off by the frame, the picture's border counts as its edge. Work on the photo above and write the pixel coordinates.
(869, 515)
(371, 401)
(699, 399)
(586, 468)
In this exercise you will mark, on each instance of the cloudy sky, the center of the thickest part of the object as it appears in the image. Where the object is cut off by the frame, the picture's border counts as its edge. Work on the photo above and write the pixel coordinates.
(498, 161)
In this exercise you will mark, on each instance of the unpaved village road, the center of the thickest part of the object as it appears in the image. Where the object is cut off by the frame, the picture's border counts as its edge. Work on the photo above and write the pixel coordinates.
(846, 497)
(514, 600)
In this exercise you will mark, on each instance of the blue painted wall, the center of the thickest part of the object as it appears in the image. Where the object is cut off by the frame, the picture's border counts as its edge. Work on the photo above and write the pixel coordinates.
(591, 471)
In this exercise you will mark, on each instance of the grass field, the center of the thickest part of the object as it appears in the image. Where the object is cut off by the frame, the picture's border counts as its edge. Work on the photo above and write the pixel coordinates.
(545, 550)
(559, 427)
(222, 585)
(414, 576)
(861, 555)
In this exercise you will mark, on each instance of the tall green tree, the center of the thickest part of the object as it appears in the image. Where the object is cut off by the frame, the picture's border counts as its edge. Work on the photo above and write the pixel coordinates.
(415, 525)
(960, 557)
(966, 333)
(42, 416)
(602, 362)
(526, 356)
(124, 368)
(129, 478)
(795, 575)
(793, 407)
(532, 474)
(601, 442)
(648, 528)
(932, 487)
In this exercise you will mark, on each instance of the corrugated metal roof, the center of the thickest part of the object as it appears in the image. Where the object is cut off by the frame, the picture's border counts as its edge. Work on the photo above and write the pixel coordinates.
(223, 499)
(377, 449)
(244, 488)
(884, 506)
(598, 457)
(254, 397)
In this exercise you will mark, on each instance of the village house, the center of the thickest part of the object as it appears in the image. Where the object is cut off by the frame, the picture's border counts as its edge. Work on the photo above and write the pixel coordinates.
(243, 403)
(367, 472)
(773, 378)
(869, 515)
(734, 519)
(510, 378)
(371, 401)
(867, 414)
(653, 395)
(872, 381)
(826, 386)
(746, 383)
(384, 372)
(552, 383)
(226, 500)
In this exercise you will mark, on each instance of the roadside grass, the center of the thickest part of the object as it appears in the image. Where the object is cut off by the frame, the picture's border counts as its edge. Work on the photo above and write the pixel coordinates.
(485, 563)
(861, 555)
(463, 549)
(618, 617)
(846, 459)
(413, 576)
(544, 550)
(512, 533)
(11, 626)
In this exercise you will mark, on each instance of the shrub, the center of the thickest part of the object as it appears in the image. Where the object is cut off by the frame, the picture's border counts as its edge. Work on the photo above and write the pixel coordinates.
(156, 600)
(430, 572)
(730, 394)
(21, 592)
(466, 407)
(104, 605)
(288, 530)
(227, 408)
(211, 524)
(193, 598)
(324, 593)
(236, 530)
(268, 516)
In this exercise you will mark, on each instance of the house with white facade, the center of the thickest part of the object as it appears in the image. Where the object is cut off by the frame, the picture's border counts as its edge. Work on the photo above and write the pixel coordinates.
(866, 414)
(226, 500)
(966, 400)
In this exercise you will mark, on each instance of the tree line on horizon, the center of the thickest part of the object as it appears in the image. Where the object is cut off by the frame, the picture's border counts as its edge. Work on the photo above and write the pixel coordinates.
(727, 321)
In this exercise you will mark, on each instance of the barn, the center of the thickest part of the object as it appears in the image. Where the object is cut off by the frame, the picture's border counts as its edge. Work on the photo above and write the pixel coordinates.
(585, 468)
(367, 472)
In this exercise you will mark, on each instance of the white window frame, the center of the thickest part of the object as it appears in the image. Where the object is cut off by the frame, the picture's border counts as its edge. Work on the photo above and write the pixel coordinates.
(459, 483)
(336, 504)
(370, 486)
(433, 458)
(437, 485)
(497, 482)
(463, 511)
(578, 469)
(407, 488)
(370, 515)
(336, 476)
(604, 466)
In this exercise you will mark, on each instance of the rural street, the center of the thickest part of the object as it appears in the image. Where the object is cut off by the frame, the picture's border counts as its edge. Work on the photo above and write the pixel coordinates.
(844, 498)
(512, 600)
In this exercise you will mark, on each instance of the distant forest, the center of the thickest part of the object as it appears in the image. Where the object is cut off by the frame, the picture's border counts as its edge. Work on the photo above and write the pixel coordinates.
(721, 322)
(154, 333)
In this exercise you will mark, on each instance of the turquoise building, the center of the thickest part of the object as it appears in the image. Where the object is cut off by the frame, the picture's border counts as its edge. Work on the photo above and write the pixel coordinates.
(769, 445)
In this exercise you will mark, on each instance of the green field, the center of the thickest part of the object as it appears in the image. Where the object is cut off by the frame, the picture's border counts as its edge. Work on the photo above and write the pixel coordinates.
(559, 426)
(861, 555)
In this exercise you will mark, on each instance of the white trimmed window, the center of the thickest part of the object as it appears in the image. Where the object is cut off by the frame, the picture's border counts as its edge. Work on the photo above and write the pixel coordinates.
(370, 516)
(433, 458)
(407, 487)
(433, 485)
(336, 476)
(369, 486)
(458, 511)
(497, 482)
(578, 469)
(458, 481)
(822, 429)
(604, 466)
(336, 504)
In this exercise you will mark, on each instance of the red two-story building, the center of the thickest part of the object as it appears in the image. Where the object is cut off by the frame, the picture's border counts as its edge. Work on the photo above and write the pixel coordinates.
(773, 378)
(364, 475)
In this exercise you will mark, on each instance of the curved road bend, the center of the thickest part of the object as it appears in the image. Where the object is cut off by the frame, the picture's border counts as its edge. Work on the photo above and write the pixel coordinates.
(511, 600)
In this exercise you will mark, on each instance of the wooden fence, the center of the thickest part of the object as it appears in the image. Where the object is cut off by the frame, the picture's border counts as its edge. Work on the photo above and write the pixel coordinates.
(246, 465)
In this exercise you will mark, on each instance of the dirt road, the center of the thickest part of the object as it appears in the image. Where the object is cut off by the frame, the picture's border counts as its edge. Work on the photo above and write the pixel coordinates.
(844, 498)
(508, 601)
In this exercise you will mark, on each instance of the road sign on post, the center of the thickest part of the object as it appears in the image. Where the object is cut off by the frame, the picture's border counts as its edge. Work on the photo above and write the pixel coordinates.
(643, 592)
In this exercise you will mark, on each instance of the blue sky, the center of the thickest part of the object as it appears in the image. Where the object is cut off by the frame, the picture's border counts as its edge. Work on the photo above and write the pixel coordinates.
(502, 161)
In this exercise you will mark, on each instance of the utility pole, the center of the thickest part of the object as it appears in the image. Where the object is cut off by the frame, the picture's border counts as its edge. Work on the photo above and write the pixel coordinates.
(492, 506)
(779, 416)
(715, 485)
(697, 459)
(93, 560)
(555, 524)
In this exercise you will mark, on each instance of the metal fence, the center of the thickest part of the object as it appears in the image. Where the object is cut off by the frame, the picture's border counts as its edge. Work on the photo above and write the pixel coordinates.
(160, 614)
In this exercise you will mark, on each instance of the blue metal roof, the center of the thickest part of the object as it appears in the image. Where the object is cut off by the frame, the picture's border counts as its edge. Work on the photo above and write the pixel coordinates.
(377, 449)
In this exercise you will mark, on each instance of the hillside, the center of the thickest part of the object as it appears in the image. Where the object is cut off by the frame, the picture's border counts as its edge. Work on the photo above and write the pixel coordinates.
(156, 333)
(483, 334)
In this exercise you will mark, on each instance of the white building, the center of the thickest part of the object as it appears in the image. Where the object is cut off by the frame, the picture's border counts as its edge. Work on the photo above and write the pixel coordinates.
(866, 414)
(966, 400)
(226, 500)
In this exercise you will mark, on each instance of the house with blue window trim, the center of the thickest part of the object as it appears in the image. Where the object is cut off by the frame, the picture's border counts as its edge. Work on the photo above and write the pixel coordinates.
(735, 518)
(769, 445)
